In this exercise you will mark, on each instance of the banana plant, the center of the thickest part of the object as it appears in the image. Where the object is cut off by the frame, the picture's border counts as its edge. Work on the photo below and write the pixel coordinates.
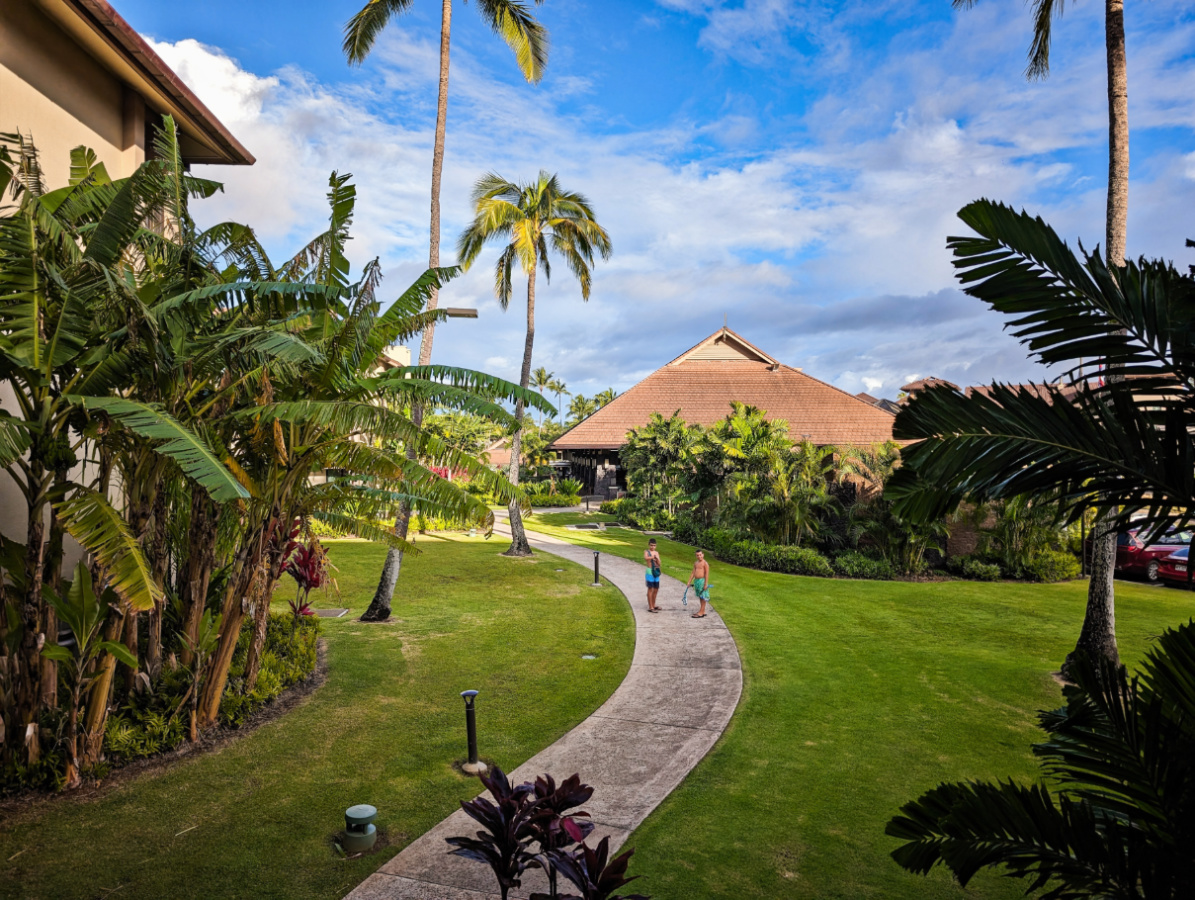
(83, 613)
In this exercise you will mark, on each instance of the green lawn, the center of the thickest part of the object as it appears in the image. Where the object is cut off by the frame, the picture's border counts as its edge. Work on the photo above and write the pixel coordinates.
(858, 696)
(257, 818)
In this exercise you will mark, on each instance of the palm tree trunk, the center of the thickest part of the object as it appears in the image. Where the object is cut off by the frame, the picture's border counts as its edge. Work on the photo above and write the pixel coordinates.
(383, 596)
(1118, 132)
(379, 607)
(518, 536)
(1097, 638)
(433, 256)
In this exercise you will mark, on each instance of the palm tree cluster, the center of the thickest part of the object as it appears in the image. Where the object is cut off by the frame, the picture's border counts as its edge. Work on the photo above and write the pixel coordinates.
(746, 474)
(175, 393)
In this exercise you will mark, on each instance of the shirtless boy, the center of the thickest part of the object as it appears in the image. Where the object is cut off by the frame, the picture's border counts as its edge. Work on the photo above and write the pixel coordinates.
(700, 579)
(651, 558)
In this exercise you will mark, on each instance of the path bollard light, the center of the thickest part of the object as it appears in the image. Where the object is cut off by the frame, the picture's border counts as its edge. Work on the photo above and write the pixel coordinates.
(474, 766)
(597, 581)
(359, 831)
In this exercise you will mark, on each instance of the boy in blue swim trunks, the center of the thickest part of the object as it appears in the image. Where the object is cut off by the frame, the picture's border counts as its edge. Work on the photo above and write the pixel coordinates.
(651, 558)
(700, 579)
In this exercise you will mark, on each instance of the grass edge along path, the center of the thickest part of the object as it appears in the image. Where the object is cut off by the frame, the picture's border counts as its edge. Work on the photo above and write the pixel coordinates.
(858, 696)
(257, 818)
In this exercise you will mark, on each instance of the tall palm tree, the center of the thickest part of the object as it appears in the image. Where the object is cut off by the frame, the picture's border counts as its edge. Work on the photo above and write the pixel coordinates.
(529, 217)
(1098, 634)
(605, 398)
(581, 408)
(512, 21)
(560, 389)
(541, 380)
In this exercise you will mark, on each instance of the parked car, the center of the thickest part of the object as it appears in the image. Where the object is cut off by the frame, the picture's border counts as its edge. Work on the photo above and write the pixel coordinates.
(1136, 557)
(1173, 569)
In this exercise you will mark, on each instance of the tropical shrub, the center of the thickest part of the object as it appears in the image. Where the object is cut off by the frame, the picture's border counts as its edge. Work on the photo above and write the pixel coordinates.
(203, 384)
(289, 657)
(543, 815)
(548, 493)
(978, 570)
(854, 564)
(134, 733)
(616, 508)
(1052, 565)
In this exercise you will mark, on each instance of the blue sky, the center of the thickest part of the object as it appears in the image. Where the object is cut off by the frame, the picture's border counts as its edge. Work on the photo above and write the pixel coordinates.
(793, 166)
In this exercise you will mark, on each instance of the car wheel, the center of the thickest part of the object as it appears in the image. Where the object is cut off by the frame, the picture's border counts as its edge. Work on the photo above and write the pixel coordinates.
(1151, 571)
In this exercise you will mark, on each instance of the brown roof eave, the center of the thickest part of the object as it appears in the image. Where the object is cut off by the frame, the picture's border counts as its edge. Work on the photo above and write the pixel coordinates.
(108, 24)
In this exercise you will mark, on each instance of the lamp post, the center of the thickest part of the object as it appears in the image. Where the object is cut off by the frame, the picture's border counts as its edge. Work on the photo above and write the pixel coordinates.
(596, 580)
(474, 766)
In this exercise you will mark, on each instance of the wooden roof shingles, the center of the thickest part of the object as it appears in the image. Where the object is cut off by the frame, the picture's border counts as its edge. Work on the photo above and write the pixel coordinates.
(723, 368)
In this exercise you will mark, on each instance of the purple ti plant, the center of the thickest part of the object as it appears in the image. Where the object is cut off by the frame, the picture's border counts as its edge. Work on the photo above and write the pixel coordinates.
(588, 870)
(509, 825)
(557, 831)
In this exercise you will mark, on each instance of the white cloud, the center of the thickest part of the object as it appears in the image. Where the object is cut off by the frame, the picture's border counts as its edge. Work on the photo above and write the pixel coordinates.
(828, 250)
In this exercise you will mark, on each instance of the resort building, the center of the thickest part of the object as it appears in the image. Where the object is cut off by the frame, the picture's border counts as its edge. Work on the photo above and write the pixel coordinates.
(73, 72)
(701, 384)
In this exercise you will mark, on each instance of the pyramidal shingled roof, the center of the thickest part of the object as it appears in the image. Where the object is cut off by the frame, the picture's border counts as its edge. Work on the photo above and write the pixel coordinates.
(704, 380)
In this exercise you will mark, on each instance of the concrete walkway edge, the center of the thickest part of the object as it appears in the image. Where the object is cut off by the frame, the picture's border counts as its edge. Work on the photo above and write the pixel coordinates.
(682, 688)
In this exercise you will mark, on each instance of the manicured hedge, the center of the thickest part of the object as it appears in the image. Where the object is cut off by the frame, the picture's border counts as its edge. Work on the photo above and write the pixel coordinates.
(731, 548)
(978, 570)
(854, 564)
(553, 500)
(612, 507)
(1053, 565)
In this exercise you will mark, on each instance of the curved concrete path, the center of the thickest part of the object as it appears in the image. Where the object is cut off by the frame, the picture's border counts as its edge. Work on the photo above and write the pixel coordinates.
(682, 688)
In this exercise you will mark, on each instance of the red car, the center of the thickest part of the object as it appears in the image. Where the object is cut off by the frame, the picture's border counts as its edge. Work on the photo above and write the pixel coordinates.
(1173, 569)
(1135, 557)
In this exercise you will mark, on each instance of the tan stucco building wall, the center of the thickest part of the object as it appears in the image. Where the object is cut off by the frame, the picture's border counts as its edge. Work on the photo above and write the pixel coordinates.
(74, 73)
(57, 93)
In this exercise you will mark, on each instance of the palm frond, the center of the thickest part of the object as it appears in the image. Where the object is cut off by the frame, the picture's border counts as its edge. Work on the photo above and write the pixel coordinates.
(362, 30)
(522, 32)
(1098, 449)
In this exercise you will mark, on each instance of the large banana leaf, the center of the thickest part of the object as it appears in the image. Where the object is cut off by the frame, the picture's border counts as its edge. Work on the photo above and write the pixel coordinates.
(484, 385)
(91, 520)
(187, 449)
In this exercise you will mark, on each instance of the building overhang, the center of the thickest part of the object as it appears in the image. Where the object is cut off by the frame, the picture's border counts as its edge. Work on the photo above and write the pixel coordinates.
(112, 41)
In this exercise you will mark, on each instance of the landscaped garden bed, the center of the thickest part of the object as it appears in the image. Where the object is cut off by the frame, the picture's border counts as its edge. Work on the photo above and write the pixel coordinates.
(384, 729)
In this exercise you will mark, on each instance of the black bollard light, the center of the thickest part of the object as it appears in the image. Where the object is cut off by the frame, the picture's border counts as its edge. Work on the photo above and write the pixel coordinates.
(474, 766)
(596, 580)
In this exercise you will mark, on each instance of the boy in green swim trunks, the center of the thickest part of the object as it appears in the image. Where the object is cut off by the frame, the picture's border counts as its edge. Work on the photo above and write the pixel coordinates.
(700, 579)
(651, 557)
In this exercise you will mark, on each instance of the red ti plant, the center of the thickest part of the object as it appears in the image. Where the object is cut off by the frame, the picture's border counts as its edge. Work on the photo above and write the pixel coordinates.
(309, 566)
(588, 870)
(509, 828)
(557, 831)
